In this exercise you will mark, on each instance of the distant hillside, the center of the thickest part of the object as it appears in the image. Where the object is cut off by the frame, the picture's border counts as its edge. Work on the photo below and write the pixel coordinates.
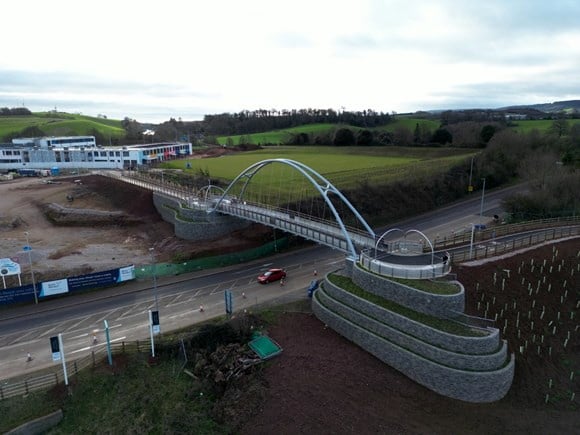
(60, 124)
(569, 106)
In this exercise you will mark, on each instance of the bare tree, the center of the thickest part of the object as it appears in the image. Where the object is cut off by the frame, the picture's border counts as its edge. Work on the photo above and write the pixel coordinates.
(538, 169)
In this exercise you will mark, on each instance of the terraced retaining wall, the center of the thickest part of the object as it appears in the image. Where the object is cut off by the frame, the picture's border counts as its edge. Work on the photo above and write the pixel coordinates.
(466, 385)
(484, 344)
(458, 360)
(428, 303)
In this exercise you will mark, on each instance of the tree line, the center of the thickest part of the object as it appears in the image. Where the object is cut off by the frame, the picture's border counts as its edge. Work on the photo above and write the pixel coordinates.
(14, 111)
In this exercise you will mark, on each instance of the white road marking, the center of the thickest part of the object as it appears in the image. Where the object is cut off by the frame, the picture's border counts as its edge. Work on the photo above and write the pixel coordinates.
(108, 314)
(78, 323)
(84, 349)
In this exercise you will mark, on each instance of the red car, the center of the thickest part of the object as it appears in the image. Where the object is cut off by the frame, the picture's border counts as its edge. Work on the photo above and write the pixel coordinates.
(272, 275)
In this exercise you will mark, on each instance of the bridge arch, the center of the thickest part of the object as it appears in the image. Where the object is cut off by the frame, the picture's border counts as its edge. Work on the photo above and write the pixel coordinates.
(206, 191)
(320, 183)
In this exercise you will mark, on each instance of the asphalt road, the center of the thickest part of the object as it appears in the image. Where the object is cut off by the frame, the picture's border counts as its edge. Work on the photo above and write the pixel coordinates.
(188, 299)
(126, 308)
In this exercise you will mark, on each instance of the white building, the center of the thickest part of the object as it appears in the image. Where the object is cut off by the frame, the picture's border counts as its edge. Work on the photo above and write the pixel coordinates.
(81, 152)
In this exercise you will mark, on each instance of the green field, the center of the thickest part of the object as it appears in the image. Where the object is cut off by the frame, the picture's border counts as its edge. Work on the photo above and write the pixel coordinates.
(542, 125)
(343, 166)
(282, 136)
(61, 124)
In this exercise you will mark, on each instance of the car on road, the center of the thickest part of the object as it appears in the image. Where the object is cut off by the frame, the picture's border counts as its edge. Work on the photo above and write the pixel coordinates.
(272, 275)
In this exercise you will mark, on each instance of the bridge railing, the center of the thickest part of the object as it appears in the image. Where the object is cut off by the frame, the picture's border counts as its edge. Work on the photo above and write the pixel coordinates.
(498, 248)
(302, 224)
(369, 261)
(500, 230)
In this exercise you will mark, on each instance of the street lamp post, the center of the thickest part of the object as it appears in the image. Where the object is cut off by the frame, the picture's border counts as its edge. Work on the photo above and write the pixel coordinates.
(470, 187)
(481, 208)
(151, 250)
(28, 249)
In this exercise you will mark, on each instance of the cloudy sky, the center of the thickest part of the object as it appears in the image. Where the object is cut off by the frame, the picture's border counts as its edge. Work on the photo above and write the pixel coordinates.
(152, 60)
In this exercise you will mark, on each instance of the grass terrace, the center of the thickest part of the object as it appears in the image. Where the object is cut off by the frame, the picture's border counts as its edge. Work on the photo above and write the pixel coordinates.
(430, 286)
(443, 325)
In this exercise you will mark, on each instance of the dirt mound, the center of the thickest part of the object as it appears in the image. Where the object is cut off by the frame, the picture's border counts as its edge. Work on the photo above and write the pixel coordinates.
(60, 215)
(10, 223)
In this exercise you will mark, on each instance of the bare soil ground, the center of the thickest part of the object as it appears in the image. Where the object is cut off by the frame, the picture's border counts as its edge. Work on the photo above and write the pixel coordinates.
(322, 383)
(120, 231)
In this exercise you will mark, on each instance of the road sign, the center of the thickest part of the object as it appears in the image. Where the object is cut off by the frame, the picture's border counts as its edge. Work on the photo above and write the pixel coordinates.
(229, 302)
(155, 322)
(55, 348)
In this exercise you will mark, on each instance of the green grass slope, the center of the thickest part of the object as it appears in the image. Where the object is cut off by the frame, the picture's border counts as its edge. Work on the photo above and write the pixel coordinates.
(60, 124)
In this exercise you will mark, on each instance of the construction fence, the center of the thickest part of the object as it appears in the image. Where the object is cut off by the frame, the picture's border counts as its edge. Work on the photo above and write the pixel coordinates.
(168, 269)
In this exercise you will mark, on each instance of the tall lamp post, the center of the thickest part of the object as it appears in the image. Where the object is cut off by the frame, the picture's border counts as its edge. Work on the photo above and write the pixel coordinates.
(481, 208)
(28, 248)
(151, 250)
(470, 187)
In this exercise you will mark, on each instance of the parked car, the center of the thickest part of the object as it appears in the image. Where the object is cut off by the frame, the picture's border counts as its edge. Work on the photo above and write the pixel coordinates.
(272, 275)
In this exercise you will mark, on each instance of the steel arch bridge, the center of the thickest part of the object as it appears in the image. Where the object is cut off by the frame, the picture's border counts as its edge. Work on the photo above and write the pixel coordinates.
(334, 234)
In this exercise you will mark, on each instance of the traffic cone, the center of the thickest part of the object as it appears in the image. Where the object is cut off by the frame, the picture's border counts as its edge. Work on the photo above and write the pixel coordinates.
(315, 272)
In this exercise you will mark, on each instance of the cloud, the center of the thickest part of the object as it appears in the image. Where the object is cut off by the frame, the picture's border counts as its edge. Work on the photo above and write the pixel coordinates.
(181, 58)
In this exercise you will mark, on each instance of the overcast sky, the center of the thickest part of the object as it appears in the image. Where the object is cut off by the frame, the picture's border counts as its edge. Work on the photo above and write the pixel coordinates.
(152, 60)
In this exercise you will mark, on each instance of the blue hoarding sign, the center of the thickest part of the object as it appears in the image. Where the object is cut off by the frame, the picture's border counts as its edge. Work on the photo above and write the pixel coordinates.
(66, 285)
(101, 279)
(15, 295)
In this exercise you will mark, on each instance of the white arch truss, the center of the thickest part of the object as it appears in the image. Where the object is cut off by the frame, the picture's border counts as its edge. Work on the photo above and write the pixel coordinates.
(322, 185)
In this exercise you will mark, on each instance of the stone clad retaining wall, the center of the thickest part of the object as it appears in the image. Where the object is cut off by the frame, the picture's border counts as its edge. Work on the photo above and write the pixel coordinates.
(470, 386)
(473, 369)
(428, 303)
(190, 224)
(457, 360)
(485, 344)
